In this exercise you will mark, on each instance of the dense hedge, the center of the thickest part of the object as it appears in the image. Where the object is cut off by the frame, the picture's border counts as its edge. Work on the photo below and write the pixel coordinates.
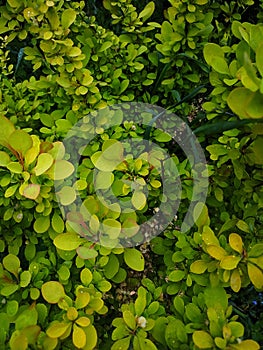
(191, 287)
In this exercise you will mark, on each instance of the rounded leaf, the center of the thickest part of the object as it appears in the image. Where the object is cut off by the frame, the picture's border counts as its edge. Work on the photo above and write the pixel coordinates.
(52, 292)
(67, 241)
(203, 340)
(138, 200)
(198, 266)
(44, 162)
(31, 191)
(230, 262)
(20, 141)
(236, 243)
(79, 337)
(134, 259)
(255, 275)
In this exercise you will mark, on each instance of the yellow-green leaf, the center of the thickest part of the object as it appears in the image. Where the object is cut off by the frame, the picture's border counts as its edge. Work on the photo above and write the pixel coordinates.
(67, 241)
(209, 237)
(7, 128)
(57, 329)
(52, 291)
(236, 243)
(134, 259)
(67, 18)
(83, 321)
(79, 337)
(198, 266)
(11, 263)
(235, 281)
(246, 345)
(60, 170)
(203, 340)
(230, 262)
(92, 337)
(20, 141)
(216, 251)
(255, 275)
(67, 195)
(44, 162)
(4, 158)
(138, 200)
(129, 319)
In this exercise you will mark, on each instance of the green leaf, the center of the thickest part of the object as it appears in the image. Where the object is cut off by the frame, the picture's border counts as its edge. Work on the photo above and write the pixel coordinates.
(238, 100)
(67, 241)
(86, 276)
(146, 344)
(216, 297)
(68, 17)
(4, 158)
(140, 302)
(193, 313)
(91, 335)
(52, 292)
(7, 128)
(147, 11)
(42, 224)
(44, 162)
(212, 52)
(18, 340)
(259, 59)
(11, 263)
(27, 318)
(129, 319)
(134, 259)
(122, 344)
(179, 305)
(31, 191)
(138, 200)
(176, 276)
(10, 191)
(57, 223)
(15, 167)
(112, 267)
(20, 141)
(203, 340)
(25, 278)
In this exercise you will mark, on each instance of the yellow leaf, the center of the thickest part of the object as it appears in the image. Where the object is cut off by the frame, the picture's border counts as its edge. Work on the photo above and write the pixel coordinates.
(57, 329)
(230, 262)
(255, 275)
(236, 242)
(79, 337)
(246, 345)
(216, 252)
(198, 266)
(235, 281)
(209, 237)
(83, 321)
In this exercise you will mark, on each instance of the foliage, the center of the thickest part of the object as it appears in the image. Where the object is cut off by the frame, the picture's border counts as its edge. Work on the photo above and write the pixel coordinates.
(64, 60)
